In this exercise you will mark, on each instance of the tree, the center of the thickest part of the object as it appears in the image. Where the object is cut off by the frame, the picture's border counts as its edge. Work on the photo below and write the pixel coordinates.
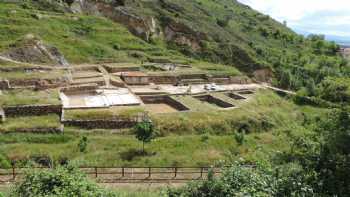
(333, 162)
(326, 152)
(144, 132)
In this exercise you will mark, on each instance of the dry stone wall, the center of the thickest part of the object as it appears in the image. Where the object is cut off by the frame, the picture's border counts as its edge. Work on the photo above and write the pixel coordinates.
(43, 130)
(163, 79)
(100, 124)
(32, 110)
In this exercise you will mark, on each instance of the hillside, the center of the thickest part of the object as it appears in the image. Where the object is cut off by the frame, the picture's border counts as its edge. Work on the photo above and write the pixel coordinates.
(137, 85)
(222, 32)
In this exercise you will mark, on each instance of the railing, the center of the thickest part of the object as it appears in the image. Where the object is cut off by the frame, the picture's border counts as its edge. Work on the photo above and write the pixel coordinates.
(127, 174)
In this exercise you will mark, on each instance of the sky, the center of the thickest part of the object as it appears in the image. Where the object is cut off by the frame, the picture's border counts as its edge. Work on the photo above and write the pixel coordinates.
(329, 17)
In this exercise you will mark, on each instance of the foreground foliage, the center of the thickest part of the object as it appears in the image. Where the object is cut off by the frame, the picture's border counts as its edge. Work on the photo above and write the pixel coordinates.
(259, 180)
(317, 164)
(59, 182)
(326, 152)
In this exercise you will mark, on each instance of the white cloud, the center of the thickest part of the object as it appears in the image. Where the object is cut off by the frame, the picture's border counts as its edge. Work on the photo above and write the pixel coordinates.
(322, 16)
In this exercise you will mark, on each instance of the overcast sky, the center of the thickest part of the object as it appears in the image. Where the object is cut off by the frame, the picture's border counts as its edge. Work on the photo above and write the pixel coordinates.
(330, 17)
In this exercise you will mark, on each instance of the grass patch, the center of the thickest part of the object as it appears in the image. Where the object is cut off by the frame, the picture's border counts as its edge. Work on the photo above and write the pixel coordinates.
(29, 97)
(30, 123)
(98, 114)
(263, 111)
(188, 150)
(14, 138)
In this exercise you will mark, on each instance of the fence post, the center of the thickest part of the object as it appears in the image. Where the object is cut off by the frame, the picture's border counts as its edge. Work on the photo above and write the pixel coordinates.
(175, 175)
(123, 172)
(13, 172)
(149, 172)
(201, 172)
(95, 172)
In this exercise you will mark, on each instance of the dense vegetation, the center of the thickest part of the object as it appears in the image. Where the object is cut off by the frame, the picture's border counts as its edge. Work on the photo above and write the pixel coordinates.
(317, 164)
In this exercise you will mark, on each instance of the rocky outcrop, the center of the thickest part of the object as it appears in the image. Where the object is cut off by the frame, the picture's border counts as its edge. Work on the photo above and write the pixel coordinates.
(141, 26)
(32, 50)
(144, 27)
(263, 75)
(183, 35)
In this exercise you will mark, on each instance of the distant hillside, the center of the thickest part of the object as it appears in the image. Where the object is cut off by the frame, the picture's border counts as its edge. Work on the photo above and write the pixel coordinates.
(341, 40)
(218, 31)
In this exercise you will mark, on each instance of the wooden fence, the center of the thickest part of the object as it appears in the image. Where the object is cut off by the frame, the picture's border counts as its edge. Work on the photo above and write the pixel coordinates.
(127, 174)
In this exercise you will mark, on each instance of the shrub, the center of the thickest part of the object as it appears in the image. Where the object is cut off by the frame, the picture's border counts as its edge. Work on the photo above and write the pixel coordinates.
(239, 137)
(239, 180)
(59, 182)
(82, 145)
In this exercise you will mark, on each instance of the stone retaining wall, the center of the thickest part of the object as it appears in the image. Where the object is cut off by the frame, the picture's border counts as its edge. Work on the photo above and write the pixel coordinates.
(163, 79)
(164, 99)
(115, 69)
(32, 110)
(100, 124)
(214, 100)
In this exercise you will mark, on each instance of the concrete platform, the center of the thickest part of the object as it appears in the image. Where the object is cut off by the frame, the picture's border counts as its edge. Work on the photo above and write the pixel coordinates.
(99, 99)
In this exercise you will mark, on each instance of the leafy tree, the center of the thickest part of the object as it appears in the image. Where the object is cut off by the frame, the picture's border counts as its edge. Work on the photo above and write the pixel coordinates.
(334, 157)
(335, 89)
(144, 132)
(59, 182)
(326, 152)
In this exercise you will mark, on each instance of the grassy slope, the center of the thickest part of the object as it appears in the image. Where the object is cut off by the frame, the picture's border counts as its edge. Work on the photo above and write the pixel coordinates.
(28, 122)
(181, 144)
(84, 38)
(245, 32)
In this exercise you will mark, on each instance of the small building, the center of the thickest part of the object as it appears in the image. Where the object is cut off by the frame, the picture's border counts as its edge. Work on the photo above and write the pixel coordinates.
(135, 78)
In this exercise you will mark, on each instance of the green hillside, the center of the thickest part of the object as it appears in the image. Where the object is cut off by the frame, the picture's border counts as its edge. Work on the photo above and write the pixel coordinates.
(234, 34)
(224, 32)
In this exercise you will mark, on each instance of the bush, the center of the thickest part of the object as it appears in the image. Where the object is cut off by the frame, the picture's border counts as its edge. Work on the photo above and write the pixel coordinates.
(239, 180)
(239, 137)
(59, 182)
(82, 145)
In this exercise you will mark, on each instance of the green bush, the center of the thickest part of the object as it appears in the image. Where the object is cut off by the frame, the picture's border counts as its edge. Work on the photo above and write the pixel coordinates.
(82, 145)
(239, 180)
(59, 182)
(239, 137)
